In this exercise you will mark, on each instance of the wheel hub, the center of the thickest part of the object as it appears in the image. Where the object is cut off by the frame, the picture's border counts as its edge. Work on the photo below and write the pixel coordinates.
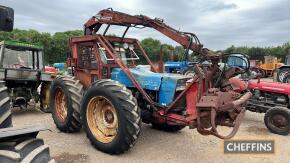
(279, 121)
(109, 117)
(102, 119)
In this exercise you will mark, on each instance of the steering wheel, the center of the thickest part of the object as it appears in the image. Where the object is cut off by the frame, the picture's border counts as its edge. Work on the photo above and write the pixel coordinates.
(237, 70)
(228, 72)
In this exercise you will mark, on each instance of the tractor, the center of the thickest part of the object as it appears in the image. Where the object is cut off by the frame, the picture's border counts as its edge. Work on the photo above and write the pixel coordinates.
(269, 98)
(266, 69)
(109, 94)
(273, 100)
(283, 74)
(181, 66)
(17, 144)
(22, 69)
(184, 66)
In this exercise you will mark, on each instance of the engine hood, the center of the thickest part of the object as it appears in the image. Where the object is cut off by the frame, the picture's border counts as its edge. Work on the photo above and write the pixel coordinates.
(147, 79)
(270, 87)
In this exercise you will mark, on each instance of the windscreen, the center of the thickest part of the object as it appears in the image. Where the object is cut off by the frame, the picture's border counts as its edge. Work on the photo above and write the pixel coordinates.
(14, 58)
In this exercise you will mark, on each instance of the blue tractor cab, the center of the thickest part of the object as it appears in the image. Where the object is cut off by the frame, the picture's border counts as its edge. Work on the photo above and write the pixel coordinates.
(178, 67)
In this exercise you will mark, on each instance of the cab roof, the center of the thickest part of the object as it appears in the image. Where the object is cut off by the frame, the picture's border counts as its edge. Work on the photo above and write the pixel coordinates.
(23, 45)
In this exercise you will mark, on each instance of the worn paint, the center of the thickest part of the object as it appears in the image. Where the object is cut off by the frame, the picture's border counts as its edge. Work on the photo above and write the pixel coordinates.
(164, 83)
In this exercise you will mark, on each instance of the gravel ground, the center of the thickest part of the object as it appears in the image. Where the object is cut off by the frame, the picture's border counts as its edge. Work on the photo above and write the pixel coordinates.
(157, 146)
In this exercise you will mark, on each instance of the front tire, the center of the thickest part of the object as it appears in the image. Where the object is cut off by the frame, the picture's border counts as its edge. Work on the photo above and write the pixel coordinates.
(277, 120)
(65, 98)
(111, 117)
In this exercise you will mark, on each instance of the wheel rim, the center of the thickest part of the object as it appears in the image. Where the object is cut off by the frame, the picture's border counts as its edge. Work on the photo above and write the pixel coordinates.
(60, 104)
(102, 119)
(45, 99)
(279, 121)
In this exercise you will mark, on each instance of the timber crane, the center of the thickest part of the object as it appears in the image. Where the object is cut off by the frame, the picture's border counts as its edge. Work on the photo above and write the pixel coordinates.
(109, 94)
(110, 17)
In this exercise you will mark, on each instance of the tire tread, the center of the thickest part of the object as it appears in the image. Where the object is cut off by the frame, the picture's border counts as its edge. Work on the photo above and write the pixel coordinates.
(127, 105)
(75, 93)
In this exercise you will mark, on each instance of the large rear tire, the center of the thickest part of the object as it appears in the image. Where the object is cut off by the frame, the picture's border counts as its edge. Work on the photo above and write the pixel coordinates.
(44, 97)
(277, 120)
(65, 97)
(5, 111)
(111, 116)
(25, 150)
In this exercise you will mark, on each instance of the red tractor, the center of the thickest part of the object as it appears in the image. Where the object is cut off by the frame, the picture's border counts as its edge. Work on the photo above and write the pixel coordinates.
(272, 99)
(110, 94)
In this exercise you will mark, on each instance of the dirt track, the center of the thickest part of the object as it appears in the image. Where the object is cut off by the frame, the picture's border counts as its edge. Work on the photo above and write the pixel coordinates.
(157, 146)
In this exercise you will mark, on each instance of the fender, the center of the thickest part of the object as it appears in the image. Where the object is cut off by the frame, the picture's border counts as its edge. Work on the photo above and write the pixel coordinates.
(284, 66)
(270, 87)
(238, 84)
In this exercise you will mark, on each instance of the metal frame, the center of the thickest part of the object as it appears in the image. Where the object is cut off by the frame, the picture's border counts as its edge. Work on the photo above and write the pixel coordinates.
(127, 59)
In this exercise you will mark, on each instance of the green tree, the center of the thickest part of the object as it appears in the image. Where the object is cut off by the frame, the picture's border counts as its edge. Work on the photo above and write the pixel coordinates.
(60, 44)
(152, 48)
(57, 46)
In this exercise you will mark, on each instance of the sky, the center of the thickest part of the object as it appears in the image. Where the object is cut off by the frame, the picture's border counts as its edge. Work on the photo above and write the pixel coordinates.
(218, 23)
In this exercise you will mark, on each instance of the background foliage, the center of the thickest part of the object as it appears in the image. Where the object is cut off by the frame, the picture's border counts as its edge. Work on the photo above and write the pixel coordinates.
(55, 46)
(57, 49)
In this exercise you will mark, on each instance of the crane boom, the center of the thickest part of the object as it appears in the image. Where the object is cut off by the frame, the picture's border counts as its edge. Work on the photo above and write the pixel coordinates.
(110, 17)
